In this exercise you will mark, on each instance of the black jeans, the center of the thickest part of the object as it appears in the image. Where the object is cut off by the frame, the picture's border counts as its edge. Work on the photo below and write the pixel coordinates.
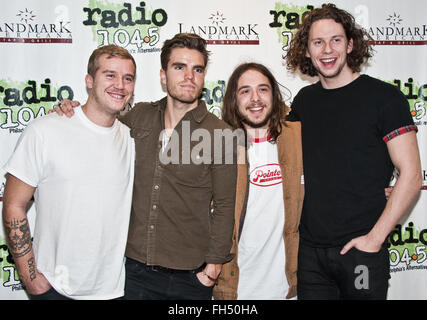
(150, 283)
(325, 274)
(50, 294)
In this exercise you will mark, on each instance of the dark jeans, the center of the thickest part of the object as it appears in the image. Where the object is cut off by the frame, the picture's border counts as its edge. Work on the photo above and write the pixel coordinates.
(50, 294)
(155, 283)
(325, 274)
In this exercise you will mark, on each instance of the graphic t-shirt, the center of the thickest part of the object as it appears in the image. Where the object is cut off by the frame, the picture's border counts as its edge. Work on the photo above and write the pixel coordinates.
(261, 256)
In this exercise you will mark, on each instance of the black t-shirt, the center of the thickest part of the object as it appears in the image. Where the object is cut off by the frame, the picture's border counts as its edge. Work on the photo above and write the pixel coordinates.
(346, 161)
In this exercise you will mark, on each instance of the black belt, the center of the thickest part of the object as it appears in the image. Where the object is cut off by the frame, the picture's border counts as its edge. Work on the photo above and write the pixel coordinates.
(167, 270)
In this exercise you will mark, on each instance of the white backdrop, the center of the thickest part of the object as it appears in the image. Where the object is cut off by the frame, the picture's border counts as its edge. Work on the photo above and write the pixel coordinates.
(45, 45)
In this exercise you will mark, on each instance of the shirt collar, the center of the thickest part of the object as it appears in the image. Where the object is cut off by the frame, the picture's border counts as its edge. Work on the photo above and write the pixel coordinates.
(198, 113)
(264, 139)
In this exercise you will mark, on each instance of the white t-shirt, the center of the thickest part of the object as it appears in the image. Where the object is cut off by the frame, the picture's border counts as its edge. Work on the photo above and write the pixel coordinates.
(83, 174)
(261, 257)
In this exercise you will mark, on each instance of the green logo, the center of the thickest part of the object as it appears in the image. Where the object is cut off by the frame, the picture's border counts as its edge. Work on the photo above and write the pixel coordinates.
(134, 28)
(416, 95)
(286, 20)
(213, 95)
(9, 277)
(407, 248)
(21, 102)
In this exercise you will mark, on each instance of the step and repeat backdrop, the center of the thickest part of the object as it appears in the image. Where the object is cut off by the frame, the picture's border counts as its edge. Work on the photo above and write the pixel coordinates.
(45, 45)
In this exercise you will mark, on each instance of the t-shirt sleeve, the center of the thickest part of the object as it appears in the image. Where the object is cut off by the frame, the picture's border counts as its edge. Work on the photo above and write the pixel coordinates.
(26, 162)
(294, 113)
(396, 116)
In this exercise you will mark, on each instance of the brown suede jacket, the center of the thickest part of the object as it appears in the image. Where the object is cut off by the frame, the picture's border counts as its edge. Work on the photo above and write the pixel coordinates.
(290, 162)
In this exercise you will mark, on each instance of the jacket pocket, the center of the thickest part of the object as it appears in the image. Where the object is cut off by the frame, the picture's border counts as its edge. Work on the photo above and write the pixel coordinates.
(141, 143)
(139, 133)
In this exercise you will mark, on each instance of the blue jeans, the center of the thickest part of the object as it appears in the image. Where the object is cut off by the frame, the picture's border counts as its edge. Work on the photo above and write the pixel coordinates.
(156, 283)
(325, 274)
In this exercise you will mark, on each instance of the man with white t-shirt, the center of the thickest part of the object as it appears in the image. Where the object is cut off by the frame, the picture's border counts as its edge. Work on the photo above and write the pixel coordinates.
(269, 192)
(82, 190)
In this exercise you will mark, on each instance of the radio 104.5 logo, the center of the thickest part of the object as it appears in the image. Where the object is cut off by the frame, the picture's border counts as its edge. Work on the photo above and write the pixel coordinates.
(9, 277)
(134, 27)
(407, 248)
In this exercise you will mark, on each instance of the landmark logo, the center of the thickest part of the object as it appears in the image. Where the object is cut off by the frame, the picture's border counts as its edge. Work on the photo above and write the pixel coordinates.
(25, 27)
(396, 32)
(220, 31)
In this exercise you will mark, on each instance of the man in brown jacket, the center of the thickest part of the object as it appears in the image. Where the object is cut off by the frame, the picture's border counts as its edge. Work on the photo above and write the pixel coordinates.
(269, 192)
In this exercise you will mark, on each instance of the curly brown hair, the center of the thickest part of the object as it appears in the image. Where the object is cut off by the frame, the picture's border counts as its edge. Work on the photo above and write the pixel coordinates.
(362, 50)
(230, 110)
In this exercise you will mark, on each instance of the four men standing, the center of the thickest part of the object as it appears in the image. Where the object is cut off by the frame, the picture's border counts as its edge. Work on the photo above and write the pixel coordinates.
(355, 130)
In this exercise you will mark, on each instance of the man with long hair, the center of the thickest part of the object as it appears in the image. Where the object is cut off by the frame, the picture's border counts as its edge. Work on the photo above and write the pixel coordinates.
(269, 192)
(355, 130)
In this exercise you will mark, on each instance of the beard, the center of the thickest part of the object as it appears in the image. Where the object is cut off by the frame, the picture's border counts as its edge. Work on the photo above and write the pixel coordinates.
(255, 125)
(183, 98)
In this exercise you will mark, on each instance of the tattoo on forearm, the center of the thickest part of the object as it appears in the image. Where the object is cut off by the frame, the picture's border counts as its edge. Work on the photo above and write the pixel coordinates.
(18, 236)
(32, 268)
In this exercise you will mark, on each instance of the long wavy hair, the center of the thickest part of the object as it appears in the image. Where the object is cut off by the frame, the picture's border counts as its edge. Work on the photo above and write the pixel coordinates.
(230, 110)
(362, 50)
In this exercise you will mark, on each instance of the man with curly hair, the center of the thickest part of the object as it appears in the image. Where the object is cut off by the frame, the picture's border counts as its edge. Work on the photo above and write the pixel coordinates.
(355, 130)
